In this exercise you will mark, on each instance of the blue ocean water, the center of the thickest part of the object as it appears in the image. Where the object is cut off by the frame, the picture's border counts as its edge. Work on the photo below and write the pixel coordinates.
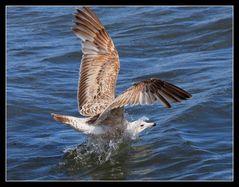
(188, 46)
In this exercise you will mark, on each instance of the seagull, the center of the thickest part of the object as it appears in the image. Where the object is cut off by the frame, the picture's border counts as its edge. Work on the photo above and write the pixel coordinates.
(103, 111)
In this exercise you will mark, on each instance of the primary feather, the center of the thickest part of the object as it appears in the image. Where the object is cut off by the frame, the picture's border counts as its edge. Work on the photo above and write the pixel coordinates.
(145, 93)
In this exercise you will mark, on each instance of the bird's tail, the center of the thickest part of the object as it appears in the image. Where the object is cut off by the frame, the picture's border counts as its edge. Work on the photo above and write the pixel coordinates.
(70, 120)
(62, 118)
(78, 124)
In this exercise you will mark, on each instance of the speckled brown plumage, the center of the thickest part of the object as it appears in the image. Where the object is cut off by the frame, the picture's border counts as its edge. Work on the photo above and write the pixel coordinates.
(99, 65)
(98, 74)
(145, 93)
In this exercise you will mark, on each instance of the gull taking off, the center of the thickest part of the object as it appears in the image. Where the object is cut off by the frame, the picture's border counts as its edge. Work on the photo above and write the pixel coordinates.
(103, 110)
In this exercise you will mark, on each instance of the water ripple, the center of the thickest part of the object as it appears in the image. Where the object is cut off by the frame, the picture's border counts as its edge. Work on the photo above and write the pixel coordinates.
(187, 46)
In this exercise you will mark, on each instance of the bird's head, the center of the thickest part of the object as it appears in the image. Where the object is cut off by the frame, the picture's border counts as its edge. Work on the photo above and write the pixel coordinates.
(136, 127)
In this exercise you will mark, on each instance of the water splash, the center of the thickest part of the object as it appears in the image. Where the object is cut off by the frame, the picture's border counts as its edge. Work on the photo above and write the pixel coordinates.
(94, 152)
(97, 152)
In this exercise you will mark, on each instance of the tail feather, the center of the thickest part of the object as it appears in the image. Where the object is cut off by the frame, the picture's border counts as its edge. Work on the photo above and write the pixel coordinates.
(60, 118)
(79, 124)
(74, 122)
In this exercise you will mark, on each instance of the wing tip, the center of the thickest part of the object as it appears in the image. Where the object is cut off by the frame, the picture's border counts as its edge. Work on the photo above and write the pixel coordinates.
(169, 106)
(78, 10)
(86, 8)
(189, 95)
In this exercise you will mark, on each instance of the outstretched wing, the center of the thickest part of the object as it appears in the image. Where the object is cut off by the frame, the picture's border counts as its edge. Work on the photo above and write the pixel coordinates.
(145, 93)
(99, 65)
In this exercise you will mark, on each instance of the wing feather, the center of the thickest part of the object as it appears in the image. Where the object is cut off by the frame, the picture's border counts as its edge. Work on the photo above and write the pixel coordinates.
(145, 93)
(99, 65)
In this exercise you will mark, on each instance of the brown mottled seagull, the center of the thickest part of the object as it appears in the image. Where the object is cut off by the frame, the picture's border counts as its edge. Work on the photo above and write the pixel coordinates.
(96, 89)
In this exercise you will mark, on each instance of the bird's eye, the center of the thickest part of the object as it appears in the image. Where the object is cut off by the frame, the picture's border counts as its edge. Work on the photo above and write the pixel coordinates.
(141, 125)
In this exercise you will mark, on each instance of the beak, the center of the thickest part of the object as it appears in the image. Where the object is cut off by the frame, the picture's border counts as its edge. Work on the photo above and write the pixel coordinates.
(154, 125)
